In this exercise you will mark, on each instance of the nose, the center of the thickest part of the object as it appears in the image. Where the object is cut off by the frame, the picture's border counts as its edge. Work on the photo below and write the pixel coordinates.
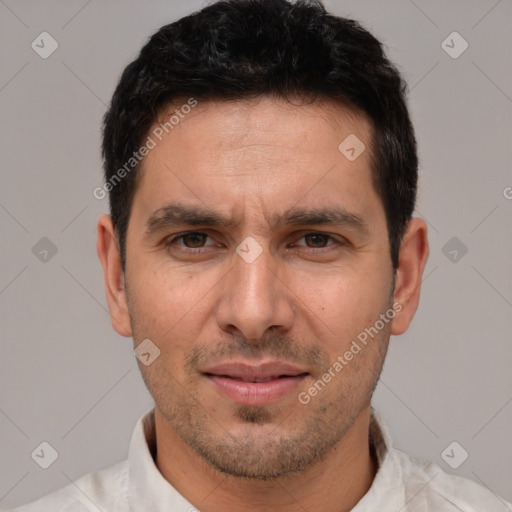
(254, 297)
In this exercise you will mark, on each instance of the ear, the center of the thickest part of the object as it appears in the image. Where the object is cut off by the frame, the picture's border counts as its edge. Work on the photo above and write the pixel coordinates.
(110, 257)
(412, 259)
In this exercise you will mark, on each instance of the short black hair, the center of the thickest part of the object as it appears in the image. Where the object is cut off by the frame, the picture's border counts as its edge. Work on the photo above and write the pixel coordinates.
(245, 49)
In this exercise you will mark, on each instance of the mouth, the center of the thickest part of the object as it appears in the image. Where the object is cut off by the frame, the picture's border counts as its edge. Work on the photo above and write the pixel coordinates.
(262, 384)
(252, 379)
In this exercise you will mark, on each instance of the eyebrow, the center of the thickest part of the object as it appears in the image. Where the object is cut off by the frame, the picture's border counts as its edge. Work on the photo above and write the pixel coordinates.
(177, 214)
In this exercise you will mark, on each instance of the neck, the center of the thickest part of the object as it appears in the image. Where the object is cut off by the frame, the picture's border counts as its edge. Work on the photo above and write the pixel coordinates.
(334, 484)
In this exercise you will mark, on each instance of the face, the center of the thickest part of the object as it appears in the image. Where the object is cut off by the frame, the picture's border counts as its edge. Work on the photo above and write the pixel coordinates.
(257, 254)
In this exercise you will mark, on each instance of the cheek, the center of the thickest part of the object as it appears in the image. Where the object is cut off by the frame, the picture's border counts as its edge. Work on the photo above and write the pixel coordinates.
(156, 305)
(166, 292)
(346, 300)
(168, 307)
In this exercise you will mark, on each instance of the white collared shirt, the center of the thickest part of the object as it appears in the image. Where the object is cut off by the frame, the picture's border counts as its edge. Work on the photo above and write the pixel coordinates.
(403, 483)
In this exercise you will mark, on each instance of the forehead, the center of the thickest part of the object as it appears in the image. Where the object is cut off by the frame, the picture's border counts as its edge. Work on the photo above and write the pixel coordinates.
(277, 124)
(271, 154)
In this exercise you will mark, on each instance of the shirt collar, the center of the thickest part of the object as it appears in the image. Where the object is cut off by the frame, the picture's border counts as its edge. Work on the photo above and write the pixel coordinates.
(149, 490)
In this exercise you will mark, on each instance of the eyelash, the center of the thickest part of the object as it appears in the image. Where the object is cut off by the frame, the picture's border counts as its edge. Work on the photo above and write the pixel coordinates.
(171, 242)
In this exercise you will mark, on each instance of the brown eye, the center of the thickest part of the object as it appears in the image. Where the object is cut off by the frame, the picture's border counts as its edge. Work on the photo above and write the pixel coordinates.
(190, 242)
(194, 240)
(318, 240)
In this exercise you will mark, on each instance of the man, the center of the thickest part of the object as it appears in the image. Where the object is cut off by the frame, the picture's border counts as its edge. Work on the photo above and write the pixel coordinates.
(260, 250)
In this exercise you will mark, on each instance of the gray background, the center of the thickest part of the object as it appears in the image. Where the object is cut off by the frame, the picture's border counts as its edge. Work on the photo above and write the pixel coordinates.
(67, 378)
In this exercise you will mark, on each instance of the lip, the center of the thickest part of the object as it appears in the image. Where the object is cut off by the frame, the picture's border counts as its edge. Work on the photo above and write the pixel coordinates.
(261, 384)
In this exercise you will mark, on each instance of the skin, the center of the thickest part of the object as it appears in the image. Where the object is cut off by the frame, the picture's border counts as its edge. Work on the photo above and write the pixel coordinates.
(302, 300)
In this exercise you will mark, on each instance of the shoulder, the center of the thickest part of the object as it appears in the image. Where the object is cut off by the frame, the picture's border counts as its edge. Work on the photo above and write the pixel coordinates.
(428, 487)
(105, 489)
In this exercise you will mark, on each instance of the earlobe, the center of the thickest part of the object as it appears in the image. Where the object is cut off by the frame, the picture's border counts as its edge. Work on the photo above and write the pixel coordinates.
(110, 258)
(413, 257)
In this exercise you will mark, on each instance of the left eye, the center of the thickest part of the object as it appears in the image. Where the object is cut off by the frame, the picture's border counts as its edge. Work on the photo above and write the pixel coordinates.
(319, 240)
